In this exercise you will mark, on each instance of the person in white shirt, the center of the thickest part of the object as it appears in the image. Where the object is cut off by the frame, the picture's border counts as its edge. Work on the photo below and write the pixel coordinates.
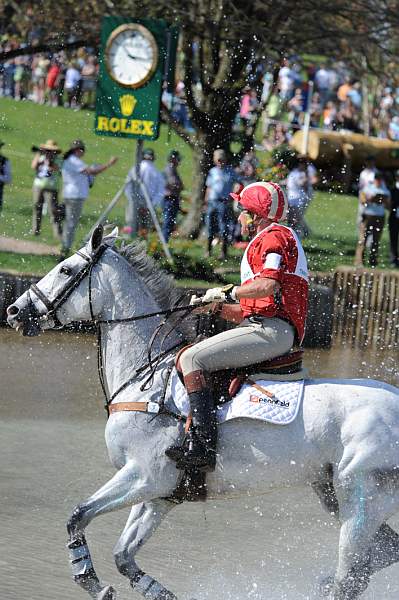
(72, 85)
(286, 81)
(366, 178)
(77, 178)
(376, 199)
(138, 218)
(300, 182)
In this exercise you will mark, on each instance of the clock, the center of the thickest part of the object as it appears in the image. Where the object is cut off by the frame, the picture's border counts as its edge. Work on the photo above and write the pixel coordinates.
(131, 55)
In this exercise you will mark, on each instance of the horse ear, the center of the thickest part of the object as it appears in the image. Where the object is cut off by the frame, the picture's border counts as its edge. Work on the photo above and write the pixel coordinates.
(111, 237)
(96, 239)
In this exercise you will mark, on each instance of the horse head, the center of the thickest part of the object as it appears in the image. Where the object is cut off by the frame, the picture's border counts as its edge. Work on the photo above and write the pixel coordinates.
(63, 295)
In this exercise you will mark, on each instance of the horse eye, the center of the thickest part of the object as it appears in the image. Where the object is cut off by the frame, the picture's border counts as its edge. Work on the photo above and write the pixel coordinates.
(66, 270)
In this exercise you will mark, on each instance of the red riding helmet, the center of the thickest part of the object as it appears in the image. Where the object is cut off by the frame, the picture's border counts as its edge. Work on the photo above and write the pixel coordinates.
(264, 198)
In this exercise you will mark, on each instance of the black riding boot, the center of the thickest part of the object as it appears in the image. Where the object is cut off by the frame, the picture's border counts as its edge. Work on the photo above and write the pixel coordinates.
(199, 448)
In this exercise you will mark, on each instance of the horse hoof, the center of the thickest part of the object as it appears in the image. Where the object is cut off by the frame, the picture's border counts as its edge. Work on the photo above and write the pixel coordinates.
(107, 593)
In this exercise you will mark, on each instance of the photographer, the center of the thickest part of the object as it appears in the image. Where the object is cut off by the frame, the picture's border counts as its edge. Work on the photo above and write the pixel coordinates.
(375, 199)
(47, 166)
(5, 173)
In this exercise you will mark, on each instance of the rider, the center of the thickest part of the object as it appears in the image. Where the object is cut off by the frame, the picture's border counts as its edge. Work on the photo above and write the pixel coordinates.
(270, 304)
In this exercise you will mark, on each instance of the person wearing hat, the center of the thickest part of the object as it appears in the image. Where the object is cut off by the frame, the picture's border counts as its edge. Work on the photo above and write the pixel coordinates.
(171, 201)
(138, 218)
(219, 183)
(270, 306)
(47, 166)
(5, 173)
(77, 179)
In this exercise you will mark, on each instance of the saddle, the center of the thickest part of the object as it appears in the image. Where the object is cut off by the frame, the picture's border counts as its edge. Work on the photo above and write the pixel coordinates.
(227, 383)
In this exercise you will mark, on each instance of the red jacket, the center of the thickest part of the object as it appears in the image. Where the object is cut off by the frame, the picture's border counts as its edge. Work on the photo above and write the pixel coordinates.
(276, 253)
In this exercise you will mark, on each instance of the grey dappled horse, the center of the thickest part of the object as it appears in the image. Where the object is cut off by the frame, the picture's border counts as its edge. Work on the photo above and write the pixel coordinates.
(344, 442)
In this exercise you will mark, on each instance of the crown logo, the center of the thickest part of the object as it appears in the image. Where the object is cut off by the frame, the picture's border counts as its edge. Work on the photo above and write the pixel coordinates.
(128, 103)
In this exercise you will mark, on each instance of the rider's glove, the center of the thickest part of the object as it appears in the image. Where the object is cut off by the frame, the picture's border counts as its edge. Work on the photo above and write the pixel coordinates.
(220, 294)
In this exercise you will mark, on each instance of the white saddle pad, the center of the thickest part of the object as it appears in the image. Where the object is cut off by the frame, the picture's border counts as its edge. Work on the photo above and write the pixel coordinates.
(278, 404)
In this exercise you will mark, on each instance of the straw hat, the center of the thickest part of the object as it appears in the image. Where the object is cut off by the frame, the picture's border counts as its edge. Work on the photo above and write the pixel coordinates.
(50, 146)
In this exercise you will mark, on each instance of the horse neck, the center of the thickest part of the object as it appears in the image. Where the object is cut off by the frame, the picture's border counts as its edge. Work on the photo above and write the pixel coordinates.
(124, 346)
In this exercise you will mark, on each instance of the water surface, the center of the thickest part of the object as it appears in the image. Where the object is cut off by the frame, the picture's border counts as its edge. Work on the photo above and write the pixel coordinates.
(53, 456)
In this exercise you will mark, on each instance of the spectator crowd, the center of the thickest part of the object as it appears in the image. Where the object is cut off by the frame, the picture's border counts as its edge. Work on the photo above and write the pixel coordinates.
(335, 98)
(331, 95)
(57, 79)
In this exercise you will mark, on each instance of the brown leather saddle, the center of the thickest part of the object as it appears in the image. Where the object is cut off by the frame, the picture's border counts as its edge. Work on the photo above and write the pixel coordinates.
(227, 383)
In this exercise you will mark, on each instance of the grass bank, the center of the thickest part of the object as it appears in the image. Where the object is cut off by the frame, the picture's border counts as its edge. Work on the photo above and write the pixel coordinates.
(332, 217)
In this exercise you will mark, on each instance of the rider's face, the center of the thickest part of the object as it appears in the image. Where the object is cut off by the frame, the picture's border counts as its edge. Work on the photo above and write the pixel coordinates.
(246, 221)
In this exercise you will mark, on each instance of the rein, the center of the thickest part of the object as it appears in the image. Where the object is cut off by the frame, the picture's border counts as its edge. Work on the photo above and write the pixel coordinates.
(152, 364)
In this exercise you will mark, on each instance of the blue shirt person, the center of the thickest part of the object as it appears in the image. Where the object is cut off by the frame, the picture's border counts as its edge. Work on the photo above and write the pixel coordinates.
(219, 183)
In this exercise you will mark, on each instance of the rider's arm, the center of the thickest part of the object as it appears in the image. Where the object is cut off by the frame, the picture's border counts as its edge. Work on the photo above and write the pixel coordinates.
(258, 288)
(228, 312)
(232, 313)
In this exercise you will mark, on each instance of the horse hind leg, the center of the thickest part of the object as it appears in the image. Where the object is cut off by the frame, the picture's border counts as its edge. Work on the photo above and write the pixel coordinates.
(363, 509)
(143, 520)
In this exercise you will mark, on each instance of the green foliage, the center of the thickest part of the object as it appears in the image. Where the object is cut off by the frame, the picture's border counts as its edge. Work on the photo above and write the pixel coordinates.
(284, 154)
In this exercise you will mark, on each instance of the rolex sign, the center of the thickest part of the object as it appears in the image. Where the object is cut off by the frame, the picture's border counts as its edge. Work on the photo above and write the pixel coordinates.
(132, 66)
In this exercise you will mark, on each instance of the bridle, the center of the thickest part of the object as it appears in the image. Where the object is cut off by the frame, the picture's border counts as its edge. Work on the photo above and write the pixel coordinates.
(54, 305)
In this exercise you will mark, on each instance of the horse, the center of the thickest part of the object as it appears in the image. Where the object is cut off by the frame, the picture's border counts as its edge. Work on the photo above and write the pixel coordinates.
(344, 443)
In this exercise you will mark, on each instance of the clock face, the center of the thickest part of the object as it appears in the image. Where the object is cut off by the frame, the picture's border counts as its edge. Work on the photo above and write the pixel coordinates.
(131, 55)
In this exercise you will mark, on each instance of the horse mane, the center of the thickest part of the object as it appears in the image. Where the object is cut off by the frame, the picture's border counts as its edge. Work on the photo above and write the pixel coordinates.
(161, 285)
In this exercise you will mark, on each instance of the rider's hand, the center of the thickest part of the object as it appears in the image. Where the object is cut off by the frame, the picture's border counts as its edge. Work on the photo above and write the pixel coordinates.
(195, 300)
(112, 160)
(214, 295)
(220, 294)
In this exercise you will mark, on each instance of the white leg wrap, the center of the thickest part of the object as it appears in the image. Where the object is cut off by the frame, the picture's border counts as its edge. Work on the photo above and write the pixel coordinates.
(150, 588)
(79, 552)
(80, 560)
(82, 567)
(143, 584)
(154, 591)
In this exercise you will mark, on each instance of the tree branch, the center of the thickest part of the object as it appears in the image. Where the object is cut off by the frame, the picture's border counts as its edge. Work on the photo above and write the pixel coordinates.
(181, 132)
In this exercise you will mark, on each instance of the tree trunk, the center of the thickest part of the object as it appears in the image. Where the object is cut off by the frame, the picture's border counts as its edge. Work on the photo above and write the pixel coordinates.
(331, 147)
(202, 162)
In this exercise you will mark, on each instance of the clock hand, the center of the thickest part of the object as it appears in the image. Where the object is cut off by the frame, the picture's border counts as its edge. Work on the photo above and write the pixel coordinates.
(137, 58)
(134, 57)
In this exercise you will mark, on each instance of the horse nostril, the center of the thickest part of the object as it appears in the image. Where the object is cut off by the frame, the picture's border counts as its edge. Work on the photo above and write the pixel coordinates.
(12, 310)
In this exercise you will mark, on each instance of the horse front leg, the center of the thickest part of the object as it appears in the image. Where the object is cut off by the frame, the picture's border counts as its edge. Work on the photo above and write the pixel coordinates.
(127, 487)
(143, 520)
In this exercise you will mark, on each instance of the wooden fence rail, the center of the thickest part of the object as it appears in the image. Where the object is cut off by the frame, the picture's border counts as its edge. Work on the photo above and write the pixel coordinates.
(366, 306)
